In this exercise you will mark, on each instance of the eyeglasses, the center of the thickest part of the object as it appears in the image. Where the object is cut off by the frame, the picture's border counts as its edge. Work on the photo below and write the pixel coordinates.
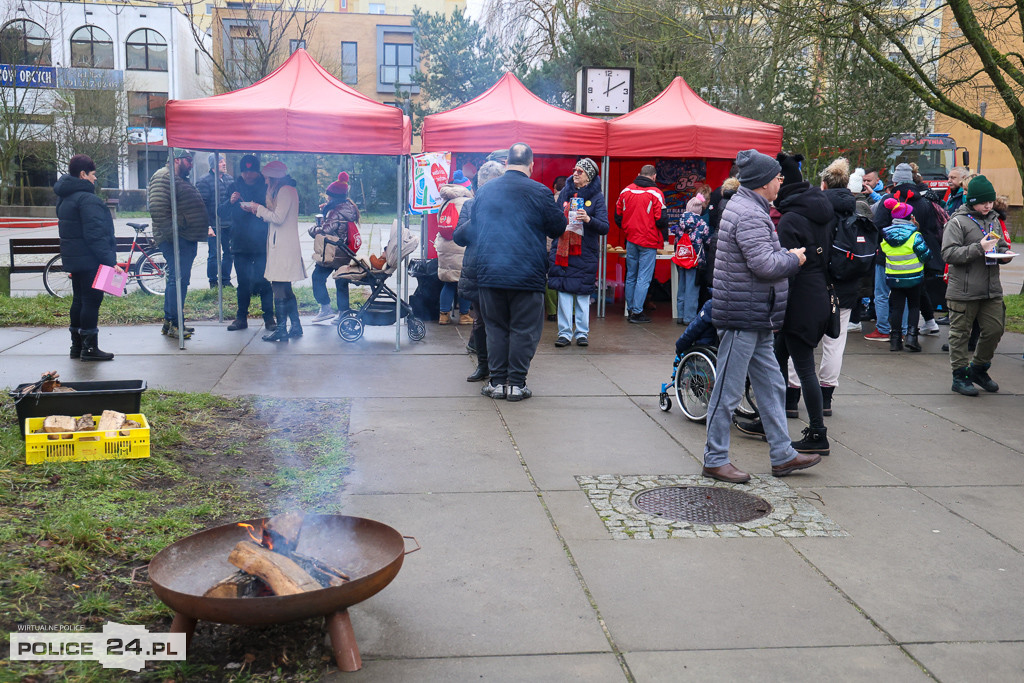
(579, 171)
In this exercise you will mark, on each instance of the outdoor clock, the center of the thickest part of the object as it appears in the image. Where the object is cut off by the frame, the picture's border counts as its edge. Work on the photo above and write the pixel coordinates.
(605, 90)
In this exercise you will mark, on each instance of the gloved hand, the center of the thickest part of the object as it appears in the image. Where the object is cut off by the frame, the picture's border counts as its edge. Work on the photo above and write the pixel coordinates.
(876, 190)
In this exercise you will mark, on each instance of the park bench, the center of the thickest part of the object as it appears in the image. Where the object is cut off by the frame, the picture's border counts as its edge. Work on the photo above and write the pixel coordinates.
(48, 246)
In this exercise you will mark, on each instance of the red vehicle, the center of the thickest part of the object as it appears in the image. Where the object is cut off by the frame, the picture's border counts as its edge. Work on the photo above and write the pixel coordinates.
(934, 154)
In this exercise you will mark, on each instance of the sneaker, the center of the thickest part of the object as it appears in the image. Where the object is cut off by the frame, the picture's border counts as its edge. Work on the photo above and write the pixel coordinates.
(877, 336)
(465, 319)
(639, 318)
(582, 341)
(753, 428)
(238, 324)
(444, 319)
(518, 393)
(854, 327)
(930, 327)
(324, 314)
(495, 391)
(167, 326)
(172, 331)
(944, 320)
(561, 341)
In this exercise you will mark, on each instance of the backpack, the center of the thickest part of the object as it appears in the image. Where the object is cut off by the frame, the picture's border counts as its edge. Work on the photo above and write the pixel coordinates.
(941, 216)
(853, 248)
(686, 256)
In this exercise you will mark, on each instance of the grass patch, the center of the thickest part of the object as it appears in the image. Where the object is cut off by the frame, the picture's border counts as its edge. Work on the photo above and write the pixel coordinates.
(75, 537)
(1014, 312)
(137, 308)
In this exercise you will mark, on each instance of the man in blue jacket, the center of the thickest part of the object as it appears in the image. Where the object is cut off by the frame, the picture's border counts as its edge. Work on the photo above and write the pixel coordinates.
(512, 217)
(751, 286)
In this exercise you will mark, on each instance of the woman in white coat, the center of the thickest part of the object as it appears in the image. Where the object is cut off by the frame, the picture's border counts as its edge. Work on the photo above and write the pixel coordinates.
(284, 257)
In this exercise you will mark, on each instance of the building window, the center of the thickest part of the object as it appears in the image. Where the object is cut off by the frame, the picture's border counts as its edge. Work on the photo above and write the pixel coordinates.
(924, 4)
(147, 51)
(197, 62)
(377, 8)
(937, 22)
(95, 107)
(209, 8)
(92, 47)
(350, 63)
(146, 109)
(243, 54)
(342, 4)
(397, 67)
(294, 45)
(25, 42)
(920, 40)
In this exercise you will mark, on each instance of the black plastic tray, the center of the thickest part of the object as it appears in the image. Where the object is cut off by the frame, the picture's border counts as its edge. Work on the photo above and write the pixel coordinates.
(124, 396)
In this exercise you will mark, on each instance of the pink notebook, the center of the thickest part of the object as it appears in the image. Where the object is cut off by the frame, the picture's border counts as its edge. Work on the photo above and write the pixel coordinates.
(110, 280)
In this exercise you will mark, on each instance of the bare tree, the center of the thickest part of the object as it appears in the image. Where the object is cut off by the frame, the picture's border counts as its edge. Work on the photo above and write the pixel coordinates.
(92, 122)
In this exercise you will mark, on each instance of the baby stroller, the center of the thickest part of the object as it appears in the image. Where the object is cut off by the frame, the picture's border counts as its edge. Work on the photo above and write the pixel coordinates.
(693, 379)
(379, 308)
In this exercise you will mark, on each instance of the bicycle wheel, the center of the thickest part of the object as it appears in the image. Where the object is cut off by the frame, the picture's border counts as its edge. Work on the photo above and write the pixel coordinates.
(149, 271)
(55, 279)
(695, 380)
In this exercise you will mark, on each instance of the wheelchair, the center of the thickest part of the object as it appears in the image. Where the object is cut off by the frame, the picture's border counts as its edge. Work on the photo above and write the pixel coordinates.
(693, 380)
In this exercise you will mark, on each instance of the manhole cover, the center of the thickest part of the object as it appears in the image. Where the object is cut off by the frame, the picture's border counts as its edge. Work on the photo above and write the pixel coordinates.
(701, 504)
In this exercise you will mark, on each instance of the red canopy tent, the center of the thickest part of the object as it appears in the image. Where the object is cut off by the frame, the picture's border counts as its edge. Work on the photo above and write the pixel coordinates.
(678, 124)
(300, 107)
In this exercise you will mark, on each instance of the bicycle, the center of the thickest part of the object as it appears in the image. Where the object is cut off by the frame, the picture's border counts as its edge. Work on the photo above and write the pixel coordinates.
(148, 271)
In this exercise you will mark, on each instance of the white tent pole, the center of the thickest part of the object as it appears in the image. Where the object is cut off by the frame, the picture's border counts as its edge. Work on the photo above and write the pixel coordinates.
(177, 253)
(602, 248)
(400, 193)
(216, 228)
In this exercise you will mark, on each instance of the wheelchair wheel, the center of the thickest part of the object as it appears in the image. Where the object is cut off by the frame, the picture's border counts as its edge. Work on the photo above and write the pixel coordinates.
(417, 330)
(695, 380)
(664, 402)
(350, 328)
(747, 407)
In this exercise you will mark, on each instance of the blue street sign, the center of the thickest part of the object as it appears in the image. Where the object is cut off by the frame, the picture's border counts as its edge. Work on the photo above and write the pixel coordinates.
(22, 76)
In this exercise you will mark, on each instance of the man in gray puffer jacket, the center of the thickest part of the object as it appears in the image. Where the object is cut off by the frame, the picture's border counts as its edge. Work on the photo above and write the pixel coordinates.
(749, 301)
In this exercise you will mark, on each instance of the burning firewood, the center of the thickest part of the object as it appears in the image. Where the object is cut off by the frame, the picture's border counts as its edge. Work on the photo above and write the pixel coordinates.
(283, 531)
(325, 574)
(238, 585)
(282, 575)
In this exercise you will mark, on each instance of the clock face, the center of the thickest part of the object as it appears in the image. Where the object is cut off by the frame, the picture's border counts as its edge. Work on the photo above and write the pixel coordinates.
(608, 91)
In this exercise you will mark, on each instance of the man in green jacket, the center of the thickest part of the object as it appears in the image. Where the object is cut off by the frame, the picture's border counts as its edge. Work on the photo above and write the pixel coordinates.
(192, 224)
(970, 241)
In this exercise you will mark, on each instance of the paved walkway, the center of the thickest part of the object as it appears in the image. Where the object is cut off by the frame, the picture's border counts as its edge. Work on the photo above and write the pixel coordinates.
(519, 578)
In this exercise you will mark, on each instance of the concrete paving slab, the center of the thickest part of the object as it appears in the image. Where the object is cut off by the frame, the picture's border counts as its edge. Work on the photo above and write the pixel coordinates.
(868, 664)
(899, 373)
(923, 449)
(210, 339)
(11, 337)
(971, 661)
(994, 508)
(921, 572)
(618, 439)
(635, 375)
(715, 593)
(987, 415)
(399, 405)
(575, 516)
(431, 452)
(538, 669)
(568, 376)
(184, 373)
(491, 580)
(376, 339)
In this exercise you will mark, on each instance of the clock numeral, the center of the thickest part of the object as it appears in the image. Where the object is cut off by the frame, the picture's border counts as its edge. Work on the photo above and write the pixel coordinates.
(590, 90)
(607, 108)
(625, 91)
(608, 73)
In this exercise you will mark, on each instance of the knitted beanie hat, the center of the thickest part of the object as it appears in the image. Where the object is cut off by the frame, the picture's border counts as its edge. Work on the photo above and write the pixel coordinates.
(339, 188)
(903, 175)
(979, 191)
(249, 163)
(756, 169)
(897, 208)
(856, 185)
(459, 178)
(696, 204)
(588, 166)
(275, 169)
(790, 167)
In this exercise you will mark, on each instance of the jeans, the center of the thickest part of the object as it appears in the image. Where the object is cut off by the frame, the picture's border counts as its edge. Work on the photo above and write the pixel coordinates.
(250, 269)
(882, 302)
(227, 258)
(514, 320)
(188, 256)
(687, 295)
(639, 271)
(320, 275)
(447, 299)
(789, 346)
(905, 300)
(573, 308)
(85, 301)
(742, 354)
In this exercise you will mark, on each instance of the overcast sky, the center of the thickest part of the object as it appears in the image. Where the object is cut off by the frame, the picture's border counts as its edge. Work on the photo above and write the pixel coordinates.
(473, 8)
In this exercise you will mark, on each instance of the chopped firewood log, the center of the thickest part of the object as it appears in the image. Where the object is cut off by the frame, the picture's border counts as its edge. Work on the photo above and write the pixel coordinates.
(238, 585)
(49, 381)
(86, 423)
(284, 531)
(59, 423)
(128, 426)
(281, 574)
(322, 572)
(110, 422)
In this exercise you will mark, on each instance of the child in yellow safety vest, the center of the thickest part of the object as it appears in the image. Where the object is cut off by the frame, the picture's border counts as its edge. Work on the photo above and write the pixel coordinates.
(905, 255)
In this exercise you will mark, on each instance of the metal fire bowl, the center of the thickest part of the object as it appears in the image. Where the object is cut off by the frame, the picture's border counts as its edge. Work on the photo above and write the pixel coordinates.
(368, 551)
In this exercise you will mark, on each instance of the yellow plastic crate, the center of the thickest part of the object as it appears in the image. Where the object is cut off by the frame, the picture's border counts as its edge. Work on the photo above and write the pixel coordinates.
(80, 446)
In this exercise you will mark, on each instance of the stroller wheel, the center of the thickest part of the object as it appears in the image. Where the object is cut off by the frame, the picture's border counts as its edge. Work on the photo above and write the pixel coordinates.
(417, 330)
(350, 328)
(664, 402)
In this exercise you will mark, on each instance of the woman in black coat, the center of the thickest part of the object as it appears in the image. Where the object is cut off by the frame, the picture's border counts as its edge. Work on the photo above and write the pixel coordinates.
(86, 242)
(573, 258)
(807, 216)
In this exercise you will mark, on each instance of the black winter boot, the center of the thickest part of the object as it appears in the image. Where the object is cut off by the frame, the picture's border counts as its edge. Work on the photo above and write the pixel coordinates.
(815, 441)
(896, 340)
(76, 342)
(268, 322)
(481, 373)
(792, 402)
(912, 343)
(979, 375)
(280, 332)
(826, 401)
(962, 382)
(293, 315)
(90, 349)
